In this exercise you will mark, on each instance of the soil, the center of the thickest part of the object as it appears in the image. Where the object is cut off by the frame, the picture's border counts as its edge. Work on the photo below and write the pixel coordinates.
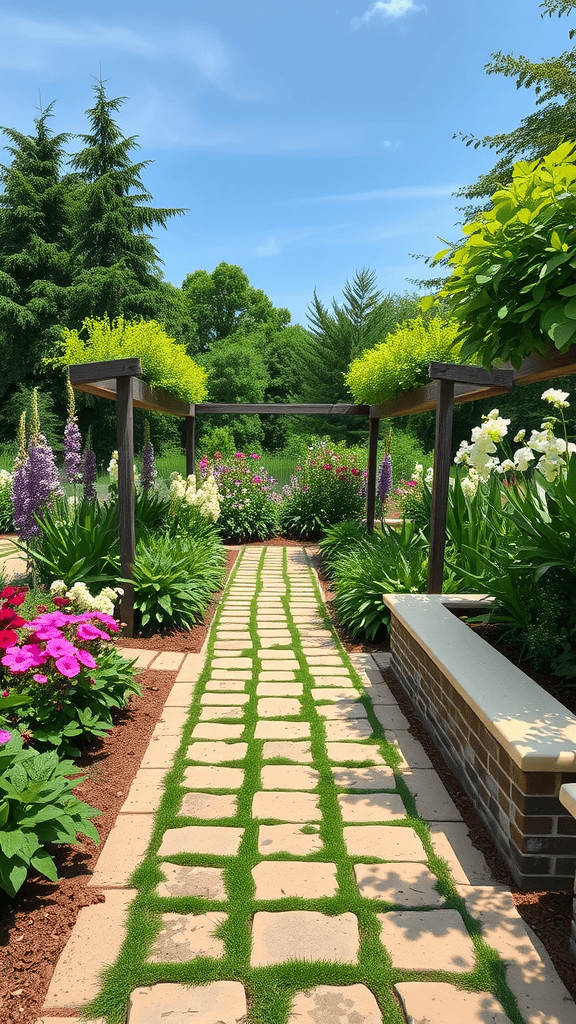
(35, 927)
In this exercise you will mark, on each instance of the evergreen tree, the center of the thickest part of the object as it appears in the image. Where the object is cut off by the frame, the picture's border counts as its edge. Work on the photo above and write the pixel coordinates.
(117, 262)
(553, 122)
(34, 260)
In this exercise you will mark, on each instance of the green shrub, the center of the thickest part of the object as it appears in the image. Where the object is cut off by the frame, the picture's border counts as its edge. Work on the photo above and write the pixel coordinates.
(248, 501)
(326, 489)
(37, 808)
(401, 361)
(218, 440)
(165, 362)
(6, 508)
(174, 579)
(340, 538)
(407, 452)
(78, 544)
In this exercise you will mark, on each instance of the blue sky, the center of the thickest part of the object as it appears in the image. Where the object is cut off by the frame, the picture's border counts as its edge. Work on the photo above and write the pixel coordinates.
(308, 138)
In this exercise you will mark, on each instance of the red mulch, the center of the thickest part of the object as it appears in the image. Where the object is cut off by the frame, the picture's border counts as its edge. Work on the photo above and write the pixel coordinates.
(35, 927)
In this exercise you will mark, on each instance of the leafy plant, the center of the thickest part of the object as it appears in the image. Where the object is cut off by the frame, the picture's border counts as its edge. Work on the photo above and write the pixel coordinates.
(165, 362)
(174, 579)
(248, 501)
(512, 288)
(401, 361)
(340, 538)
(37, 807)
(78, 543)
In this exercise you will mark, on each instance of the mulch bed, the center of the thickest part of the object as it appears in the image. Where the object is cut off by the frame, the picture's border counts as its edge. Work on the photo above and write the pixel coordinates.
(35, 927)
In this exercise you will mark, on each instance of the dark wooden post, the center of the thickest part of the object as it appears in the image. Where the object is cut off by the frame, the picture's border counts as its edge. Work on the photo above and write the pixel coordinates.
(442, 454)
(190, 444)
(125, 436)
(372, 471)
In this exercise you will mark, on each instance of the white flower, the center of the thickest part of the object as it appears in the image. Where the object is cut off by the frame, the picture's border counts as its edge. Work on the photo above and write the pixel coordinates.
(556, 398)
(522, 457)
(520, 436)
(507, 466)
(429, 475)
(539, 440)
(470, 483)
(58, 588)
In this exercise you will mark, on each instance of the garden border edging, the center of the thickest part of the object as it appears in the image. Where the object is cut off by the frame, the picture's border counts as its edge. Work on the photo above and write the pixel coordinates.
(510, 743)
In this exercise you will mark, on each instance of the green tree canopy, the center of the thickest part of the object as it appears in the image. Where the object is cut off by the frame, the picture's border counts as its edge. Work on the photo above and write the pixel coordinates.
(223, 303)
(552, 123)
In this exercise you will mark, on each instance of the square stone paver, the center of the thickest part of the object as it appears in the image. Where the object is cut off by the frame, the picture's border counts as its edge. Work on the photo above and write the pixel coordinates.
(271, 666)
(390, 716)
(181, 880)
(276, 880)
(171, 722)
(364, 778)
(371, 807)
(383, 841)
(334, 693)
(303, 935)
(271, 643)
(231, 662)
(278, 730)
(222, 1001)
(221, 712)
(411, 751)
(233, 699)
(278, 707)
(215, 753)
(409, 885)
(437, 938)
(288, 776)
(286, 806)
(287, 839)
(279, 689)
(160, 751)
(204, 777)
(145, 792)
(209, 805)
(204, 730)
(331, 676)
(357, 752)
(142, 658)
(167, 661)
(123, 850)
(180, 695)
(437, 1002)
(301, 753)
(352, 729)
(186, 936)
(342, 1004)
(342, 711)
(217, 839)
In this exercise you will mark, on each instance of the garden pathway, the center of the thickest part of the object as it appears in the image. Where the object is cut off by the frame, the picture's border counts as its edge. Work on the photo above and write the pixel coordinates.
(305, 864)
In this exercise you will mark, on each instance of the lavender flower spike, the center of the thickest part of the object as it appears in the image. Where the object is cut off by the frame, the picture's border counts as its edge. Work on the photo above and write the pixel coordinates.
(149, 472)
(72, 452)
(385, 479)
(35, 483)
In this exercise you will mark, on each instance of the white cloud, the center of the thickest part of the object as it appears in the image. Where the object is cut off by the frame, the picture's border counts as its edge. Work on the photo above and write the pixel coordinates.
(388, 144)
(386, 9)
(403, 192)
(269, 248)
(33, 45)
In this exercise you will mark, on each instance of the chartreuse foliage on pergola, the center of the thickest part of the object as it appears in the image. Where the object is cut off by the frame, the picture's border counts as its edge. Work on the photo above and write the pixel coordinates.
(400, 362)
(512, 288)
(165, 362)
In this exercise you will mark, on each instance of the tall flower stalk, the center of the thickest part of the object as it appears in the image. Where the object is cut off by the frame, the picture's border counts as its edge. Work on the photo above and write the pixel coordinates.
(385, 478)
(36, 479)
(89, 475)
(149, 471)
(72, 442)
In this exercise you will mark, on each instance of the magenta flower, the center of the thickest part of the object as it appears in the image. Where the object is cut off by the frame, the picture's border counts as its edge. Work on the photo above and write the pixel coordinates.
(256, 479)
(17, 660)
(4, 736)
(86, 631)
(36, 654)
(254, 456)
(68, 666)
(239, 455)
(61, 648)
(86, 659)
(57, 619)
(39, 678)
(108, 620)
(46, 633)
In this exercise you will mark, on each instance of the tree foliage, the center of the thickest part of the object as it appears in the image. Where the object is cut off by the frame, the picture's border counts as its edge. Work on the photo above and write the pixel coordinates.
(512, 286)
(552, 123)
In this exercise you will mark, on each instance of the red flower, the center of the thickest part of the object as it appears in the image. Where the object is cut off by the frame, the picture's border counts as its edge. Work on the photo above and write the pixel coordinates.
(61, 602)
(10, 618)
(9, 592)
(7, 638)
(17, 597)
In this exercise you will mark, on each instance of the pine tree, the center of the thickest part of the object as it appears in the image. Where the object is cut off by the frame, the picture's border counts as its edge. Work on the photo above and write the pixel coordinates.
(553, 122)
(34, 259)
(118, 263)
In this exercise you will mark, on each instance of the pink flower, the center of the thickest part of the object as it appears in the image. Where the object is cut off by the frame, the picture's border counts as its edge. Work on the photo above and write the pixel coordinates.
(36, 654)
(355, 472)
(17, 660)
(4, 736)
(57, 619)
(39, 678)
(60, 648)
(68, 666)
(411, 483)
(46, 633)
(86, 659)
(239, 455)
(86, 631)
(254, 456)
(5, 693)
(108, 620)
(256, 479)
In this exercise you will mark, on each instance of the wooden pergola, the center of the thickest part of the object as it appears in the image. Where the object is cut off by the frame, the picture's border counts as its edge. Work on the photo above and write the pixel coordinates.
(119, 381)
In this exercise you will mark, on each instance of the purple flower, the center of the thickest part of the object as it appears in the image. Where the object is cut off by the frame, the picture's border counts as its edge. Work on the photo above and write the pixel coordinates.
(35, 483)
(385, 479)
(148, 466)
(89, 475)
(72, 452)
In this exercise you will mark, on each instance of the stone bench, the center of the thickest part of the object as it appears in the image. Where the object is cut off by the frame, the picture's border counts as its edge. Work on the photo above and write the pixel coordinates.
(511, 745)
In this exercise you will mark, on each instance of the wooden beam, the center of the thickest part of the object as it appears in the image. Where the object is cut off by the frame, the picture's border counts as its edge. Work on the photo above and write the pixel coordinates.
(472, 375)
(372, 472)
(190, 445)
(442, 458)
(276, 408)
(144, 397)
(80, 373)
(125, 438)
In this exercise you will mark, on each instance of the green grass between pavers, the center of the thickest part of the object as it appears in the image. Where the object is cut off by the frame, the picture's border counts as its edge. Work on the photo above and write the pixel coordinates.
(270, 989)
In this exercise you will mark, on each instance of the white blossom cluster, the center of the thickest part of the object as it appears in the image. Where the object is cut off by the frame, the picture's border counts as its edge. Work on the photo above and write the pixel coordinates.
(81, 599)
(205, 498)
(113, 469)
(5, 479)
(481, 458)
(417, 474)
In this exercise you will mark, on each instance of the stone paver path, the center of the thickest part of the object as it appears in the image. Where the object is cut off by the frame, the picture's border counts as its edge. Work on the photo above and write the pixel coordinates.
(289, 875)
